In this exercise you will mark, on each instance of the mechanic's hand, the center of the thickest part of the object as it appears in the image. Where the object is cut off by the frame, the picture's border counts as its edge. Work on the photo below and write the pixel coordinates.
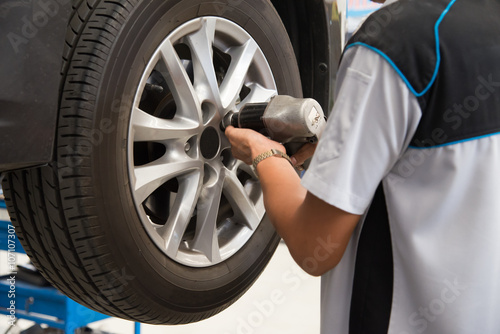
(247, 144)
(304, 153)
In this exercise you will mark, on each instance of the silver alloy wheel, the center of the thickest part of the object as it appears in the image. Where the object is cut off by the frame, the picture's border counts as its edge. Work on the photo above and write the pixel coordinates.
(197, 203)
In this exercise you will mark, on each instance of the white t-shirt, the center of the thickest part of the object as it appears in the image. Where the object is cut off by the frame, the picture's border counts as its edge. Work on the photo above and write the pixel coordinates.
(442, 203)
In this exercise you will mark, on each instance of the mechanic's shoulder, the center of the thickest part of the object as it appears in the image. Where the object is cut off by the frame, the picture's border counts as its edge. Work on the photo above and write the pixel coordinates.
(404, 34)
(404, 21)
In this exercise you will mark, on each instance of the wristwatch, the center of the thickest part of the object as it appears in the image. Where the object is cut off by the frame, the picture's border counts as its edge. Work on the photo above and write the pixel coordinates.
(271, 153)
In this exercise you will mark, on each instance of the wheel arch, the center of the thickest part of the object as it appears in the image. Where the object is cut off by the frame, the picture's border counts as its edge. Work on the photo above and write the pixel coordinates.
(32, 47)
(316, 30)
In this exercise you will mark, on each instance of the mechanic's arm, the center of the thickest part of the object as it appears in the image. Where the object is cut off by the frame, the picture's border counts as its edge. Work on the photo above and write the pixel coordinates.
(315, 232)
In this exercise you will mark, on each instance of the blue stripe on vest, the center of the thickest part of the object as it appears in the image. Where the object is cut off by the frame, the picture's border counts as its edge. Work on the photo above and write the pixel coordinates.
(438, 55)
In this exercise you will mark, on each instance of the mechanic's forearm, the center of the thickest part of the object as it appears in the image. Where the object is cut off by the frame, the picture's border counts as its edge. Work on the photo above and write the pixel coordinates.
(283, 193)
(315, 232)
(284, 199)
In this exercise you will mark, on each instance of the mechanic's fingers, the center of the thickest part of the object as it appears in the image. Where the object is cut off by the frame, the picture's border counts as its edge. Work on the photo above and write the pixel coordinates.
(228, 131)
(304, 153)
(246, 144)
(239, 146)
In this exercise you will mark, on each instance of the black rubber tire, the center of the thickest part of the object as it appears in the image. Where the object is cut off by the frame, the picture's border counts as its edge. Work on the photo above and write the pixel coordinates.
(76, 218)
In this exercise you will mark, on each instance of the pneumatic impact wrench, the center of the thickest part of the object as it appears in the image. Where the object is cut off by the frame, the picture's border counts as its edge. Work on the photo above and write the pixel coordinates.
(285, 119)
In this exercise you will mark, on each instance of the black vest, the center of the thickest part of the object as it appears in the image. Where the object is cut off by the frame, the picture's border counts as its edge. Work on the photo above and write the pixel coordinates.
(448, 54)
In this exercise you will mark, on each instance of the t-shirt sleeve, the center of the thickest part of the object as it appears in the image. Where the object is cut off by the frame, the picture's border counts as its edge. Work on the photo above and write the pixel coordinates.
(372, 123)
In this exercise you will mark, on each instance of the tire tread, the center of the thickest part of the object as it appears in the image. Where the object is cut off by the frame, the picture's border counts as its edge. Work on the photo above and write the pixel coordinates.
(46, 204)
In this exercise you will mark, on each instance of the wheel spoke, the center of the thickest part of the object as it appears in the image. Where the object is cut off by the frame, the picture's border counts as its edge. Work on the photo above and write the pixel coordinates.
(150, 128)
(242, 58)
(257, 94)
(224, 143)
(179, 83)
(244, 167)
(181, 212)
(151, 176)
(205, 80)
(206, 239)
(243, 207)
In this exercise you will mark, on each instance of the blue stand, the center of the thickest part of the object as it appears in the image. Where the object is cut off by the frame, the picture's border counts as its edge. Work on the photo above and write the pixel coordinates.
(43, 305)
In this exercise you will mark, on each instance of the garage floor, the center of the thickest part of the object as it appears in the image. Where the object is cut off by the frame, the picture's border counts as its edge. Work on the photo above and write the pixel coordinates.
(283, 300)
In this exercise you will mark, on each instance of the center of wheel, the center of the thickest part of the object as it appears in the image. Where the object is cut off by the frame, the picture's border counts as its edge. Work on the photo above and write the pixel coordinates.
(209, 143)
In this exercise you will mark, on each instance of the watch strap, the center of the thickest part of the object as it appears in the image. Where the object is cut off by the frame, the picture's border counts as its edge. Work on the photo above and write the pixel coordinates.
(271, 153)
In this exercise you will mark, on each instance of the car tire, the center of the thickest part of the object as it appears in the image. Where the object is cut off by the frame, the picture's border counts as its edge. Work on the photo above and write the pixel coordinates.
(144, 214)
